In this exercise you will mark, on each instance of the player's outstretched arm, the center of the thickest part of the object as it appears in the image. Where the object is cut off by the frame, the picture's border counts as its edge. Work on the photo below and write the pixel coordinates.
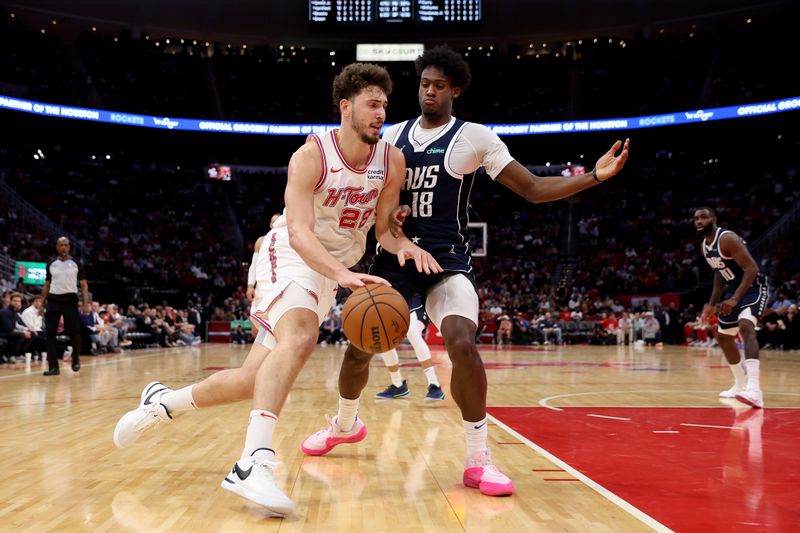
(393, 241)
(540, 189)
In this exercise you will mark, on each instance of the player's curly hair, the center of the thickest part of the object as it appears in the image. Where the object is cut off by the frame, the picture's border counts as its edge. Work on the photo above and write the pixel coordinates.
(451, 62)
(358, 76)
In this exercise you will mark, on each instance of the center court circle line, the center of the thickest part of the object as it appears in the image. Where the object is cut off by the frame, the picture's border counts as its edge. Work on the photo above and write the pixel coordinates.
(545, 402)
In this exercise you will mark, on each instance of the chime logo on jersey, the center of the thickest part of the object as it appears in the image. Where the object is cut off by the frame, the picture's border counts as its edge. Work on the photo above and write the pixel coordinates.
(350, 196)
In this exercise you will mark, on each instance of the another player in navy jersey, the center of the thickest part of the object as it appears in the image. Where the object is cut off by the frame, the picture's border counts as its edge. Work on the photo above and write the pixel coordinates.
(740, 294)
(416, 329)
(442, 155)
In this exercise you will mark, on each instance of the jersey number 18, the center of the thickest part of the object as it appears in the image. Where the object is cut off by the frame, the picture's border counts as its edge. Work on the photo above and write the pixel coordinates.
(421, 204)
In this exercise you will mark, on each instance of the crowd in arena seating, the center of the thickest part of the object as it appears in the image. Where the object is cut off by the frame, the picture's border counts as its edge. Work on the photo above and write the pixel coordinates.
(105, 328)
(143, 222)
(645, 244)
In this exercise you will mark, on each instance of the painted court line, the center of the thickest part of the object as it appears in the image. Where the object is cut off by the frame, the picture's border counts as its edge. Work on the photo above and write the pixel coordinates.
(665, 431)
(111, 361)
(707, 426)
(604, 492)
(609, 417)
(545, 402)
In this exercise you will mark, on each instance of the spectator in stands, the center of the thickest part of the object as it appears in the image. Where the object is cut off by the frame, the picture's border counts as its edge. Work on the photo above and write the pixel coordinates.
(90, 333)
(33, 319)
(238, 335)
(186, 331)
(600, 335)
(19, 340)
(651, 330)
(549, 328)
(118, 323)
(625, 329)
(520, 330)
(504, 330)
(792, 339)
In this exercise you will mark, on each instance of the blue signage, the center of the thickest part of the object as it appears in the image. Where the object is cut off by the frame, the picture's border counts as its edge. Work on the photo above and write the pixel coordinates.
(540, 128)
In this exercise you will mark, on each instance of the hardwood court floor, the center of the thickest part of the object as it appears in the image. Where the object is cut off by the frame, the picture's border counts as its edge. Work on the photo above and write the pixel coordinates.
(59, 470)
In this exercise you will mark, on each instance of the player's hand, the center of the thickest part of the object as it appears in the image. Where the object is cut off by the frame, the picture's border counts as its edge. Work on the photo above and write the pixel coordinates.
(354, 280)
(422, 259)
(87, 308)
(610, 163)
(250, 293)
(708, 311)
(396, 219)
(726, 306)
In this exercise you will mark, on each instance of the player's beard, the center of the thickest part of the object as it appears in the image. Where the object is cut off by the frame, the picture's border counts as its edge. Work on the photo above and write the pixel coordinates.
(705, 230)
(362, 129)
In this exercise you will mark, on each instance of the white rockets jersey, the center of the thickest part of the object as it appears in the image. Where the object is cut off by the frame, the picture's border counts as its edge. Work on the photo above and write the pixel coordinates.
(345, 199)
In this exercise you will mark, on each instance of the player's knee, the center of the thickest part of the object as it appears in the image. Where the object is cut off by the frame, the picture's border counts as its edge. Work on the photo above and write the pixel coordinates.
(746, 328)
(299, 343)
(462, 348)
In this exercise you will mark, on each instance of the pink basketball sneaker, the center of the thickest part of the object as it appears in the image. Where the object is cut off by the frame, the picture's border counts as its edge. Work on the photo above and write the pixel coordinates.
(326, 439)
(480, 473)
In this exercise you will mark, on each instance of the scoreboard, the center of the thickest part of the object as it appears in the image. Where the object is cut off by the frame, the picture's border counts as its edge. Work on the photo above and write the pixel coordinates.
(448, 11)
(349, 13)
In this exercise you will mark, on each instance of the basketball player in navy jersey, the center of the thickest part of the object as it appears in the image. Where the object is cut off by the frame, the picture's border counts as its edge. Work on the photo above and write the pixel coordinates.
(443, 154)
(739, 295)
(399, 387)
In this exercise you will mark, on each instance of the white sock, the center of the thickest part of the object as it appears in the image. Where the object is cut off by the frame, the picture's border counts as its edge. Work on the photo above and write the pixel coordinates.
(476, 434)
(391, 358)
(348, 410)
(178, 400)
(752, 373)
(430, 373)
(259, 432)
(738, 375)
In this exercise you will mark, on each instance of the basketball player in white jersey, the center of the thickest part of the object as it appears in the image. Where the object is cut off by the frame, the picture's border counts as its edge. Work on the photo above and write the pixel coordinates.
(339, 185)
(442, 155)
(259, 266)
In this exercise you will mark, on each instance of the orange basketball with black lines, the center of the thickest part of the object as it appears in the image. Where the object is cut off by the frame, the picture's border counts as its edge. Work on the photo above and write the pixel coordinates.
(375, 318)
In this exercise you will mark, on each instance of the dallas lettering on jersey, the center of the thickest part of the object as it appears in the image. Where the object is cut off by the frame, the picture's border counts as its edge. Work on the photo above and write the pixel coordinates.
(421, 177)
(350, 195)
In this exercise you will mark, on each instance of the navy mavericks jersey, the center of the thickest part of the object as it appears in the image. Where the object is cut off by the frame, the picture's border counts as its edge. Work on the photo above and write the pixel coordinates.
(437, 196)
(730, 271)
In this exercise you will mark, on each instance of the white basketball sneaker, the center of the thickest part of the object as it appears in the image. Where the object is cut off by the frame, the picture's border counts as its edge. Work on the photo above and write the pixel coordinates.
(149, 414)
(752, 397)
(254, 480)
(732, 392)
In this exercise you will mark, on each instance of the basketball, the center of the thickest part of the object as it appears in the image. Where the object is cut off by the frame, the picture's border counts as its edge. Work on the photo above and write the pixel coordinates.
(375, 318)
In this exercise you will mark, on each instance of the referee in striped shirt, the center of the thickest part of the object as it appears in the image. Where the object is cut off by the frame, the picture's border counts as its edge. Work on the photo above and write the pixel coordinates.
(60, 295)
